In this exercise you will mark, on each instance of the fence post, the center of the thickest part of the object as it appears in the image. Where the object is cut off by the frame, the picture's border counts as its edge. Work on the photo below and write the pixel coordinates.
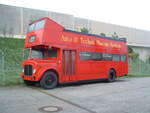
(2, 67)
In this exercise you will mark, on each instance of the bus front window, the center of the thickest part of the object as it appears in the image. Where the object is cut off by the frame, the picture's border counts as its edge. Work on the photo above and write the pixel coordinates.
(52, 53)
(40, 53)
(36, 26)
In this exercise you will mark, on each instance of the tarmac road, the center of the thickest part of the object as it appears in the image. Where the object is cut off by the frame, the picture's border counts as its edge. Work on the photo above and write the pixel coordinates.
(126, 95)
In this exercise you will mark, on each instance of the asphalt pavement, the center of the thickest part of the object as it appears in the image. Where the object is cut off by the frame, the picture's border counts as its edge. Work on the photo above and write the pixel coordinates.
(126, 95)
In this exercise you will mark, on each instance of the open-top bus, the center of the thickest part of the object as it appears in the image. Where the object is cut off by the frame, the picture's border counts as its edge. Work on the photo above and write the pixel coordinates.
(58, 55)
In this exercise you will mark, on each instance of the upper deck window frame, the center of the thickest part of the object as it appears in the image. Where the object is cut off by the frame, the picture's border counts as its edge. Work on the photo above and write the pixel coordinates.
(36, 26)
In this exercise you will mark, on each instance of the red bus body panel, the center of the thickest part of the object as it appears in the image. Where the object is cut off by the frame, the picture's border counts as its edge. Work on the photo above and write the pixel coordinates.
(54, 35)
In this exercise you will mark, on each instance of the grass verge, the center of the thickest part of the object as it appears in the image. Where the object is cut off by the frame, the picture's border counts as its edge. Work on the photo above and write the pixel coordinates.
(131, 76)
(10, 61)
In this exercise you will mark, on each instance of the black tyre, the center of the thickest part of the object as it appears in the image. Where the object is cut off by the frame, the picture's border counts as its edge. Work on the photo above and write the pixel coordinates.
(49, 80)
(29, 83)
(111, 76)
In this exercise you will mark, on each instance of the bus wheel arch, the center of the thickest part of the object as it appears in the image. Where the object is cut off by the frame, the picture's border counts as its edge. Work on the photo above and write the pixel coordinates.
(111, 75)
(49, 79)
(53, 70)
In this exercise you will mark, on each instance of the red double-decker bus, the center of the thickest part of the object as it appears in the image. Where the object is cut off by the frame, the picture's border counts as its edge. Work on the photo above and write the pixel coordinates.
(58, 55)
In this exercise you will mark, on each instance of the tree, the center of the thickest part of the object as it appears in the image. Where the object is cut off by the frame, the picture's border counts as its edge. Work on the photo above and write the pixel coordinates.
(130, 50)
(84, 30)
(11, 32)
(34, 17)
(4, 31)
(148, 60)
(115, 35)
(133, 55)
(103, 34)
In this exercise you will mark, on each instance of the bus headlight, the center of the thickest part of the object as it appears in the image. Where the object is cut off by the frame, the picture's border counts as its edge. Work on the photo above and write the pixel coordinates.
(34, 70)
(23, 70)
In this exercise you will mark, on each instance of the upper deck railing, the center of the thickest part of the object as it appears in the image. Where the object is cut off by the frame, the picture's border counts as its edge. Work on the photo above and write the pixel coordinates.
(97, 36)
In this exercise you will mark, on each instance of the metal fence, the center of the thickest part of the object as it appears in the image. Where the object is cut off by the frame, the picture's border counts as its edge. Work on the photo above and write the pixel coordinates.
(10, 66)
(139, 67)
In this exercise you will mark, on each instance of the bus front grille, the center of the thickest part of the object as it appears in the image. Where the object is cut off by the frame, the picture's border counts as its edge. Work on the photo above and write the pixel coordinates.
(28, 70)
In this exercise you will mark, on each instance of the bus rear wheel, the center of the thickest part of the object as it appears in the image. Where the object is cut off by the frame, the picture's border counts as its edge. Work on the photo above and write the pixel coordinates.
(49, 80)
(111, 76)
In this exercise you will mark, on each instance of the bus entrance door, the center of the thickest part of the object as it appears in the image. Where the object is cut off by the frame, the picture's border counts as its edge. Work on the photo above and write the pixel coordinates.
(69, 65)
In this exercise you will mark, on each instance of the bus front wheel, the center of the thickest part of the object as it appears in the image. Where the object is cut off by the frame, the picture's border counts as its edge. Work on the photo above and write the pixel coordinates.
(111, 76)
(49, 80)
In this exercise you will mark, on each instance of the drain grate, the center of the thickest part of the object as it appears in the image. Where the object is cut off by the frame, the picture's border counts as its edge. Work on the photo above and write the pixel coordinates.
(50, 109)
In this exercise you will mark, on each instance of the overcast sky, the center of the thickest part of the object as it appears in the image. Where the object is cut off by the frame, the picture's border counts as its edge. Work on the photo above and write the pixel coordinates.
(131, 13)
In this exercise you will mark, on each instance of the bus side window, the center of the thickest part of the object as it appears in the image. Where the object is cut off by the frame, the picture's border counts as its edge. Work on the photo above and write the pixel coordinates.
(96, 56)
(107, 57)
(84, 56)
(123, 58)
(116, 58)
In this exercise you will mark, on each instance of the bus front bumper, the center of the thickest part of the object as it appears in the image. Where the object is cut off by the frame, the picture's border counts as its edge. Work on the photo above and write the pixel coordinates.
(30, 78)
